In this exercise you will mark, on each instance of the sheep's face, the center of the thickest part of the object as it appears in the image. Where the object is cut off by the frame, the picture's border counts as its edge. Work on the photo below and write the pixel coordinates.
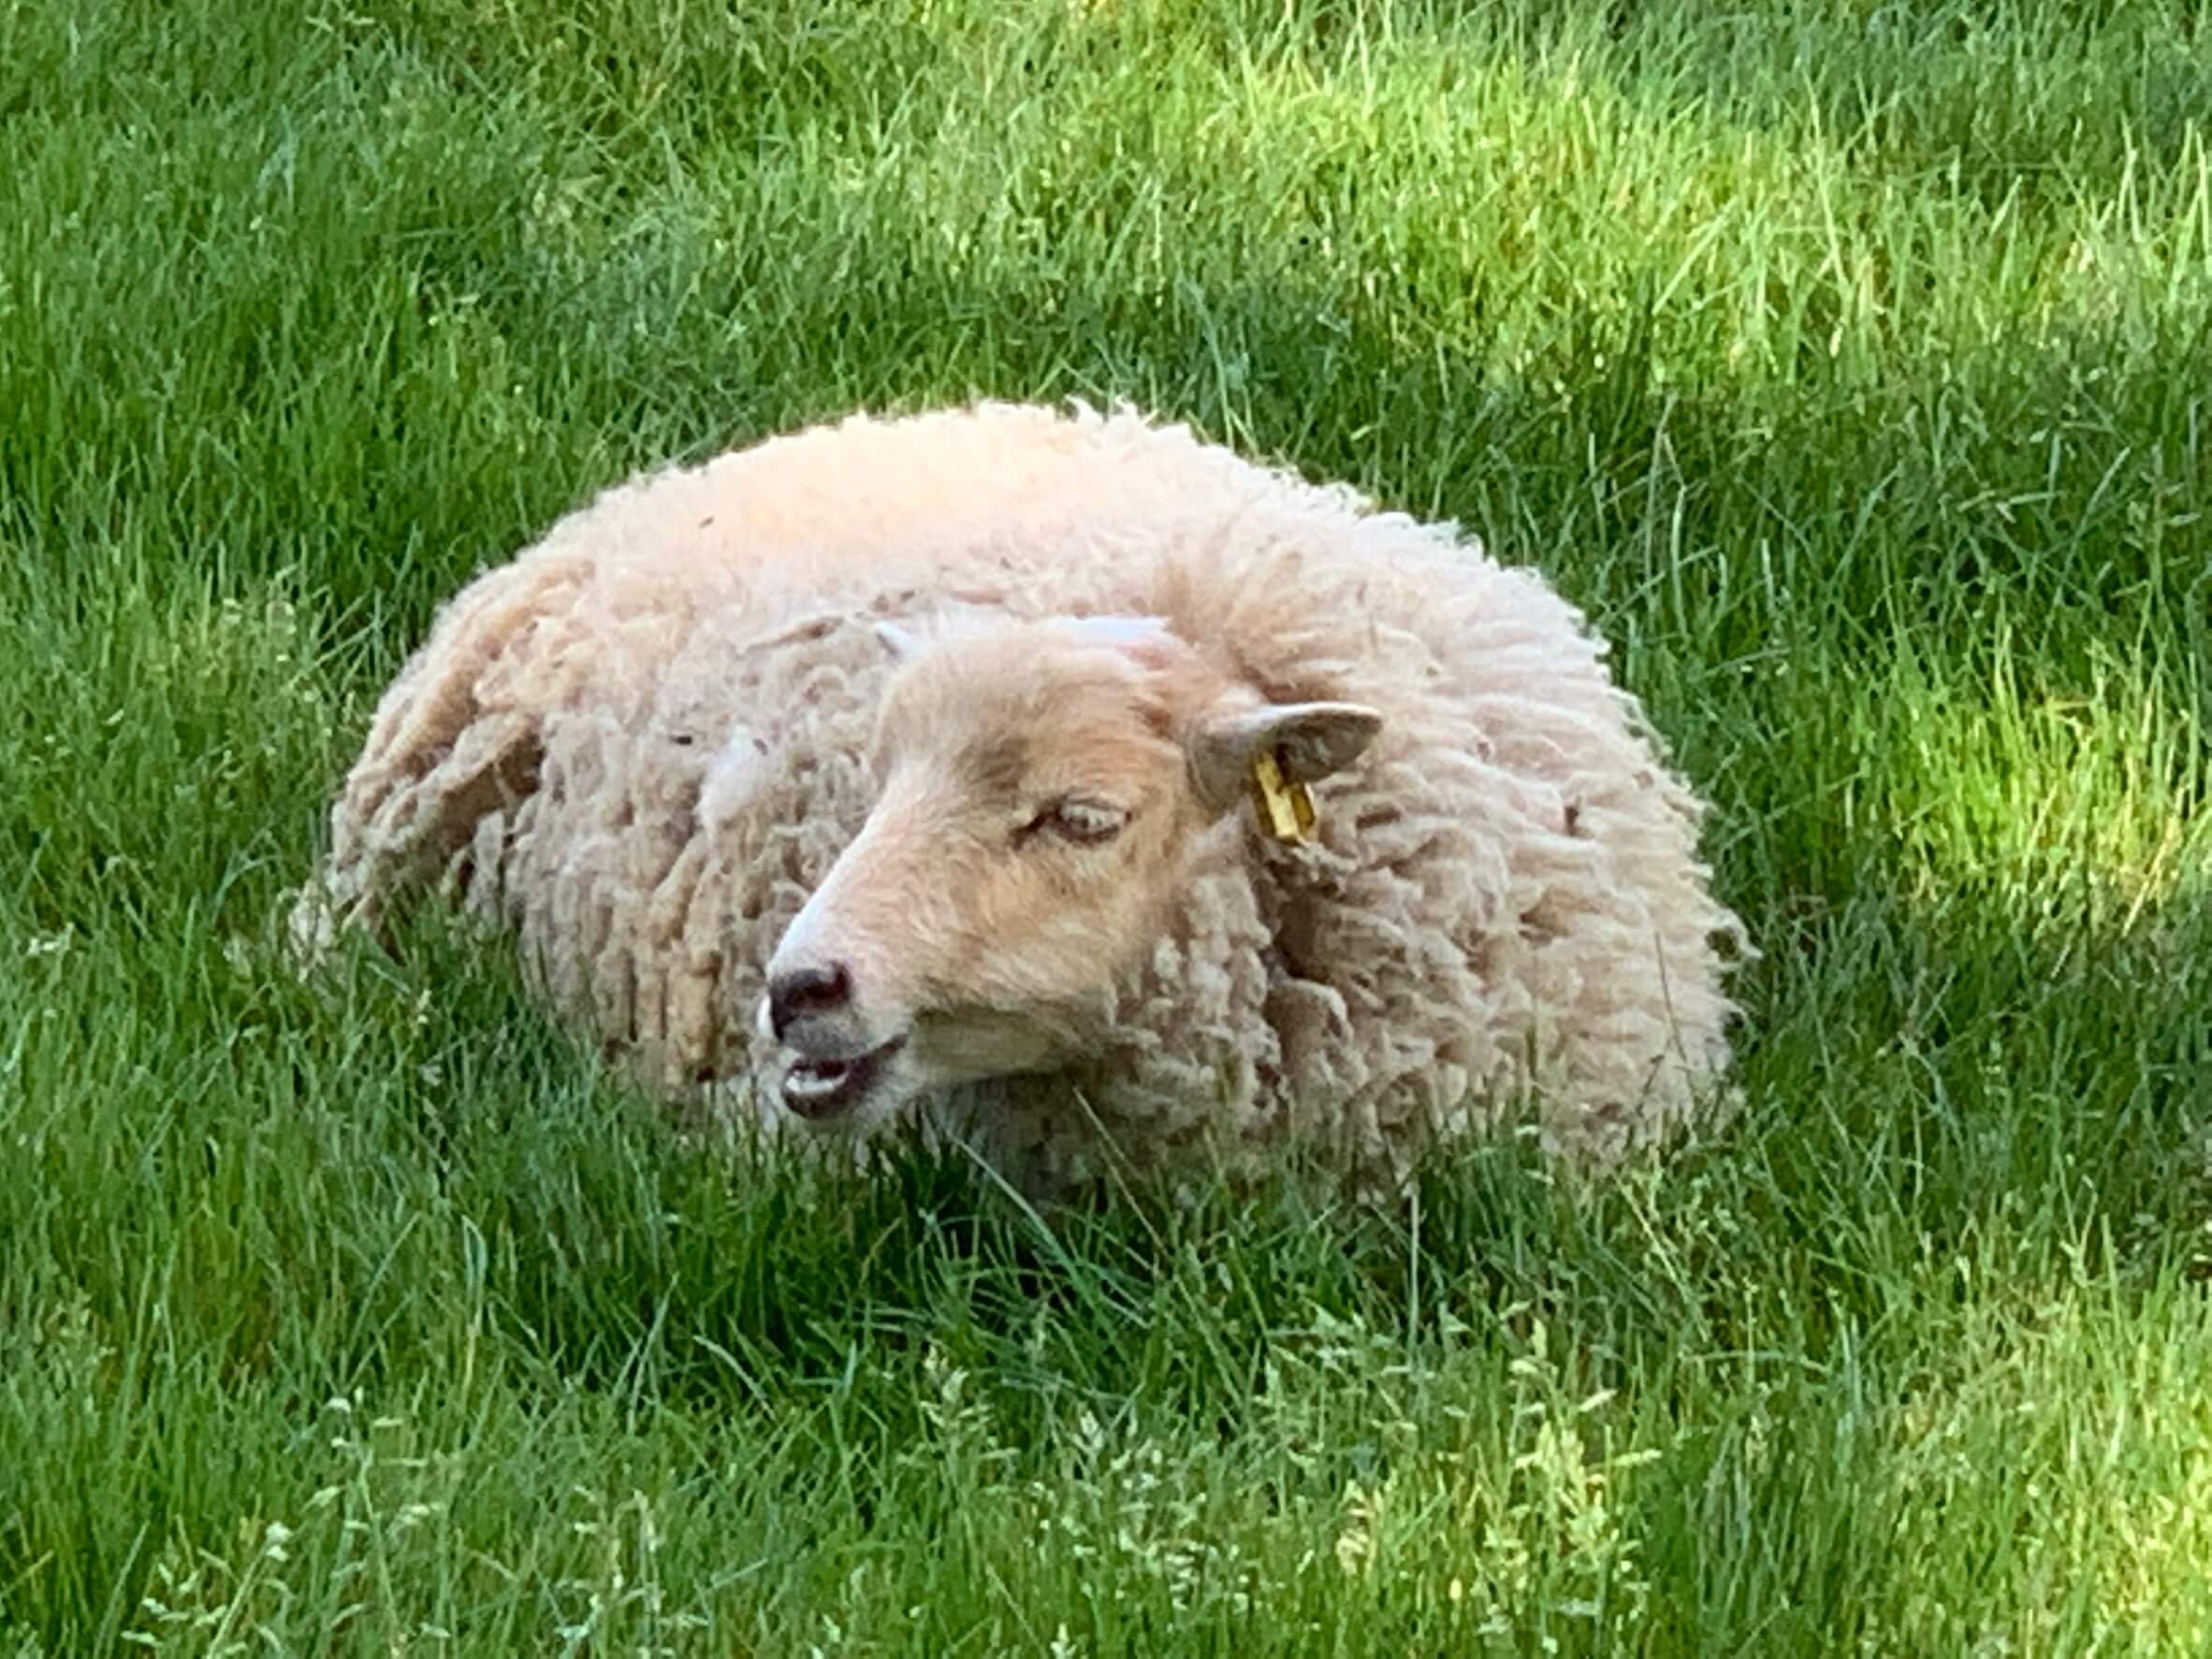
(1042, 789)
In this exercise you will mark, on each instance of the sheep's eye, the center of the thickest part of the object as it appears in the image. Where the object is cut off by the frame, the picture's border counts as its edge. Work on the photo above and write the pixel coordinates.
(1075, 818)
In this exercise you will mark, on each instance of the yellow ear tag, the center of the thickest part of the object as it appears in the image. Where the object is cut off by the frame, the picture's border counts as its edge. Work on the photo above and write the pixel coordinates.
(1286, 809)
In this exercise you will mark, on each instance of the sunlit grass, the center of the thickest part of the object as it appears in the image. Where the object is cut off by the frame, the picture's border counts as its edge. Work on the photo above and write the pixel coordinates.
(1851, 363)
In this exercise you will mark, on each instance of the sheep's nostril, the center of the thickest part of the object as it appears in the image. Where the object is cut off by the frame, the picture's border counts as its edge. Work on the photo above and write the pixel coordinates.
(805, 991)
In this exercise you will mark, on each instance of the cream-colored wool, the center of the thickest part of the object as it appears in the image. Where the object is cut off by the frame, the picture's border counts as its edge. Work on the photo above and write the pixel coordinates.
(645, 742)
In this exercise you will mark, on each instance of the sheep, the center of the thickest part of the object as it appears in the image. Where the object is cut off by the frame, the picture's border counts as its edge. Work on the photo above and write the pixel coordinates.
(1085, 790)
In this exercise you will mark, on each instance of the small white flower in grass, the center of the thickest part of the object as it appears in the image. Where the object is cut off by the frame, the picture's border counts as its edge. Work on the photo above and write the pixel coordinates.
(1355, 1542)
(1089, 1436)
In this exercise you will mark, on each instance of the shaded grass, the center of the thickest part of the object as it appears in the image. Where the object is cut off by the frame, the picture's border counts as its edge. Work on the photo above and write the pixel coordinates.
(1849, 363)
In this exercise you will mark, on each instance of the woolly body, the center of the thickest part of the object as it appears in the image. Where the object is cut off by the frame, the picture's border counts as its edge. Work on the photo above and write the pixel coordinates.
(645, 742)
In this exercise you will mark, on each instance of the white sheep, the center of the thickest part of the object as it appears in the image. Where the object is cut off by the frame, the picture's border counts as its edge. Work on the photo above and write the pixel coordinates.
(1070, 782)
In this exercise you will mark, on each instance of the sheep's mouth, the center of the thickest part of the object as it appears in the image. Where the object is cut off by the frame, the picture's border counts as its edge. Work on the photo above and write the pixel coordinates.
(822, 1088)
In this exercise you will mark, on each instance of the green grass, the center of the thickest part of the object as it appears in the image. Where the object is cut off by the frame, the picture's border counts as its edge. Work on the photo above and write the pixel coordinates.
(1851, 362)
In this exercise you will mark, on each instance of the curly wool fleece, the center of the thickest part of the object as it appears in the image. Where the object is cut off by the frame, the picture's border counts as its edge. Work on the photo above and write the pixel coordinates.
(644, 742)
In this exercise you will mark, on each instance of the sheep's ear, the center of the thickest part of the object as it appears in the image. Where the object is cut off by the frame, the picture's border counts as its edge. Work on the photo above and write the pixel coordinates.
(1301, 742)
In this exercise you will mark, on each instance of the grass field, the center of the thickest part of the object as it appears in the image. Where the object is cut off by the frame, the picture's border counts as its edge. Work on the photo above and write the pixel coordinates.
(1850, 362)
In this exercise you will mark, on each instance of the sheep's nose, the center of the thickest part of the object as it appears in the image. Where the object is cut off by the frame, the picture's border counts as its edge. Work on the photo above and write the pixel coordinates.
(805, 991)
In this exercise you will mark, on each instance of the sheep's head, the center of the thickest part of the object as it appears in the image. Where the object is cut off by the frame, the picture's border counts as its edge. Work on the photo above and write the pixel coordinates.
(1044, 786)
